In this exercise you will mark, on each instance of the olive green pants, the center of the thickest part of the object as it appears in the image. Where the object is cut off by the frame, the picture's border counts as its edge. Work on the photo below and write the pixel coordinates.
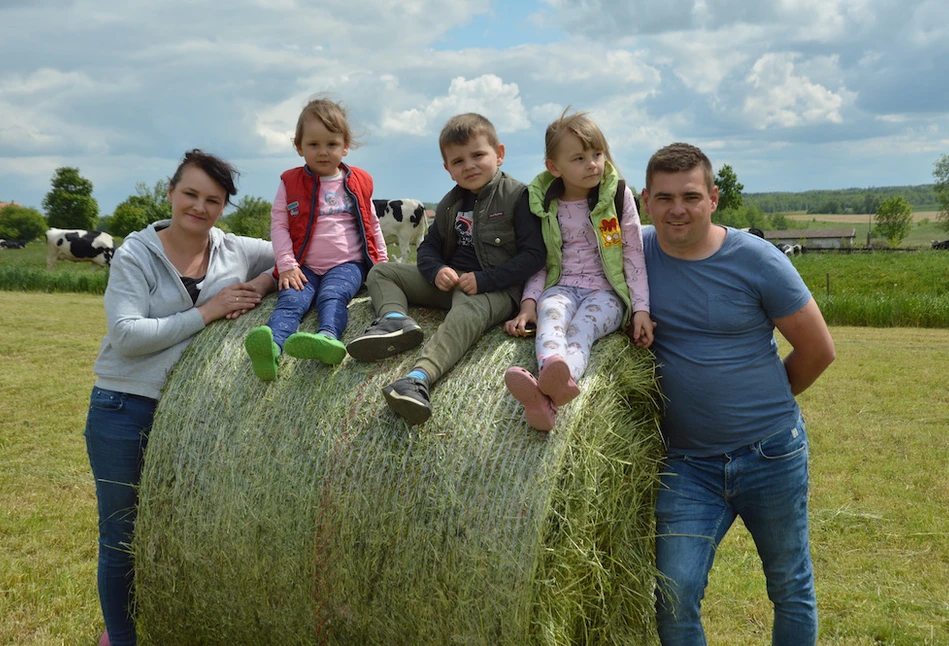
(394, 286)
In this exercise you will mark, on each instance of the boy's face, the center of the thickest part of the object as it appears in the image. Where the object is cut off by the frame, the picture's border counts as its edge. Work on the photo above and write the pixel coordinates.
(474, 163)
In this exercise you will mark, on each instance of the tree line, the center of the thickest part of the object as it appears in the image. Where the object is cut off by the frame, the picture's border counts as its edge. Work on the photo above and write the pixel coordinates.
(70, 205)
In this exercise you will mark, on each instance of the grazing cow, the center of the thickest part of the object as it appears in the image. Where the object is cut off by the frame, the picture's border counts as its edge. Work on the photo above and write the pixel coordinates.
(12, 244)
(78, 245)
(941, 245)
(790, 249)
(404, 220)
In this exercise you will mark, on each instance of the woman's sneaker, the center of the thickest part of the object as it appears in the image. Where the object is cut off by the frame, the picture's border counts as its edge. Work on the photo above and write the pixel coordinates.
(384, 338)
(408, 398)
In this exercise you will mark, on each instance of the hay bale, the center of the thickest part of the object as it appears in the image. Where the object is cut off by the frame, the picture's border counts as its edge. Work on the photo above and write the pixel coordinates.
(302, 511)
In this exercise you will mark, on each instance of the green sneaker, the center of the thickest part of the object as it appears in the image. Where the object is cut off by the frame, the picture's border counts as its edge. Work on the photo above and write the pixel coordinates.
(263, 352)
(303, 345)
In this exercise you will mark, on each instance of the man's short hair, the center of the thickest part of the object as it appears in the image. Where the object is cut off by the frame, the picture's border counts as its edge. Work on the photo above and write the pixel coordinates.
(461, 128)
(680, 158)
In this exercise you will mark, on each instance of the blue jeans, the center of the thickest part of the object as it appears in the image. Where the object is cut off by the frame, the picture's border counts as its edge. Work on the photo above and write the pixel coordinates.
(332, 292)
(699, 498)
(117, 428)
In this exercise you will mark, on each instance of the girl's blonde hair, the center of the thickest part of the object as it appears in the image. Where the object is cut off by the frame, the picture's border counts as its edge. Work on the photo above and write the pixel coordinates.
(580, 125)
(332, 114)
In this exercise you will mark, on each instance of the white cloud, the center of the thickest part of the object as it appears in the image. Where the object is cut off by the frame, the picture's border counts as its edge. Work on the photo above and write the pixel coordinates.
(781, 97)
(487, 95)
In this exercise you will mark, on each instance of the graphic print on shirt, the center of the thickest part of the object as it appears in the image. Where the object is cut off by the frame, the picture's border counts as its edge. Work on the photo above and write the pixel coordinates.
(333, 203)
(463, 223)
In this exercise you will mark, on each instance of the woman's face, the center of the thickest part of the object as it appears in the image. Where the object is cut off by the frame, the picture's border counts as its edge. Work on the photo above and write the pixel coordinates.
(197, 201)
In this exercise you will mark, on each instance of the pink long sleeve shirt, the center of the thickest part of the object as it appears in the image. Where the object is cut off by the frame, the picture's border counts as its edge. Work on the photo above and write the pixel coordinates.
(336, 236)
(581, 257)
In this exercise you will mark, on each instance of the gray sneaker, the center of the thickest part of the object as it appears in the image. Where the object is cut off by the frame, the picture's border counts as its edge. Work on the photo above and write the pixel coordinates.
(384, 338)
(408, 398)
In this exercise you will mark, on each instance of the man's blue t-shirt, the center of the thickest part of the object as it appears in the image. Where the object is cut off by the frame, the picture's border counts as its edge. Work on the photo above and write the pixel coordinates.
(724, 383)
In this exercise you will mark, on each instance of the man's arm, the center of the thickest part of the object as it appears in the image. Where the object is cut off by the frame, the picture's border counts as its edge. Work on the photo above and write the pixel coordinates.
(812, 347)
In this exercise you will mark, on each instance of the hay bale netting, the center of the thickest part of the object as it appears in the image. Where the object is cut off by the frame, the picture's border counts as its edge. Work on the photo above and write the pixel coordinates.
(302, 511)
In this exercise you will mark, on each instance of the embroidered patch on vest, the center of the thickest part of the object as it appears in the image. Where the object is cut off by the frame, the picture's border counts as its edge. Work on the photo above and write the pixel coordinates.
(496, 215)
(293, 208)
(610, 233)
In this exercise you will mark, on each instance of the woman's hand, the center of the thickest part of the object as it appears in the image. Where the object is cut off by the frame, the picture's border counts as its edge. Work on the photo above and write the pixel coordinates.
(517, 326)
(232, 301)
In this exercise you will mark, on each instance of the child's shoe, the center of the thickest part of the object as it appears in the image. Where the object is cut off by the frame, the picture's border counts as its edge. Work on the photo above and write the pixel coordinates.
(303, 345)
(384, 338)
(263, 352)
(538, 409)
(554, 380)
(408, 398)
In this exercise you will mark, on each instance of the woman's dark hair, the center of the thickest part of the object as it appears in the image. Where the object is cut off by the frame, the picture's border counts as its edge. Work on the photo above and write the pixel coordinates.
(217, 169)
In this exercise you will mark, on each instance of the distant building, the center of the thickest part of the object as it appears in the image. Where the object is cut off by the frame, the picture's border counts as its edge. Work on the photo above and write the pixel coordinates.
(814, 238)
(5, 204)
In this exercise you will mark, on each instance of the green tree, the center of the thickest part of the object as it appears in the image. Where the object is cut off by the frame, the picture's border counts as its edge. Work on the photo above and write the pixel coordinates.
(729, 188)
(69, 204)
(138, 211)
(252, 218)
(894, 219)
(779, 222)
(21, 223)
(941, 174)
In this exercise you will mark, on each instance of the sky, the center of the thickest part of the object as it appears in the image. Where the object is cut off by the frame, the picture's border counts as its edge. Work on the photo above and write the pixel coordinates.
(793, 94)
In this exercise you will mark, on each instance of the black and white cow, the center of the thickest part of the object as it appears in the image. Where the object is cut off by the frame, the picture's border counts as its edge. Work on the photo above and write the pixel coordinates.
(940, 245)
(78, 245)
(402, 220)
(12, 244)
(790, 249)
(755, 231)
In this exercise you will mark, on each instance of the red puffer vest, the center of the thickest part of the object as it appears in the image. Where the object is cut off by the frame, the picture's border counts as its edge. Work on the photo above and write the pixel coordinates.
(303, 188)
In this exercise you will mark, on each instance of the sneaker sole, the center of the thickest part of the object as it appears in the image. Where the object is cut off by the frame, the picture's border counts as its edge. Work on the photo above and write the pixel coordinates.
(407, 408)
(381, 346)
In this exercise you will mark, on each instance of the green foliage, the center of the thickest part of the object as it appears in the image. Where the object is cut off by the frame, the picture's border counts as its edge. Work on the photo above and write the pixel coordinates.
(894, 219)
(779, 222)
(140, 210)
(740, 218)
(729, 189)
(69, 204)
(849, 200)
(941, 173)
(21, 223)
(252, 218)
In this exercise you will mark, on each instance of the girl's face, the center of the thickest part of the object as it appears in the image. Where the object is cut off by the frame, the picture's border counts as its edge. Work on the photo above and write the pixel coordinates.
(322, 150)
(197, 201)
(580, 169)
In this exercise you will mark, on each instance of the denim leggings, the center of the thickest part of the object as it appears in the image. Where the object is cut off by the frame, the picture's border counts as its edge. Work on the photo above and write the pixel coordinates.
(332, 292)
(766, 484)
(117, 429)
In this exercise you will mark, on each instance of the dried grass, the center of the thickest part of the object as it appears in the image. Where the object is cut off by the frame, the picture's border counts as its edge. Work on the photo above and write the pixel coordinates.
(301, 511)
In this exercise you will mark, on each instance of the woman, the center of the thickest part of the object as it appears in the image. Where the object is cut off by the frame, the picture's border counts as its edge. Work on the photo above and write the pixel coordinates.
(166, 283)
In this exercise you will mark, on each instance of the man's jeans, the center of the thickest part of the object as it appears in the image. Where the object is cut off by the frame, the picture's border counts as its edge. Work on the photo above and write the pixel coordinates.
(766, 485)
(117, 429)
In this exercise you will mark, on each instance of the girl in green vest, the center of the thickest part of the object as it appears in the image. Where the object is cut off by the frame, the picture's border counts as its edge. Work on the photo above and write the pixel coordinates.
(595, 277)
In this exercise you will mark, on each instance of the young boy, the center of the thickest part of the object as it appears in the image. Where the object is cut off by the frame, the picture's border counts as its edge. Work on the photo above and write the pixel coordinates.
(482, 246)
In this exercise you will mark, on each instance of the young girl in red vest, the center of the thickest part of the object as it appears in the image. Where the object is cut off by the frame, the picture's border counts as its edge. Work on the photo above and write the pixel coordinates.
(595, 279)
(326, 237)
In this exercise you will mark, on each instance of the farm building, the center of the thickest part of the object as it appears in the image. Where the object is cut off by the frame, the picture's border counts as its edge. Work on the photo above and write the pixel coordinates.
(814, 238)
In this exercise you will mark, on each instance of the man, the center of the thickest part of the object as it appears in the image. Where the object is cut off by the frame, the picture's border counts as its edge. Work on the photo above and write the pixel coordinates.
(735, 441)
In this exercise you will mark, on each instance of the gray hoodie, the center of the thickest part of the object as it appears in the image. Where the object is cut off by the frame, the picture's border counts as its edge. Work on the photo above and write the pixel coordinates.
(150, 316)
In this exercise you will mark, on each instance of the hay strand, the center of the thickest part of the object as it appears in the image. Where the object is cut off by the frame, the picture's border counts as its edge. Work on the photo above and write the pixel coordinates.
(302, 511)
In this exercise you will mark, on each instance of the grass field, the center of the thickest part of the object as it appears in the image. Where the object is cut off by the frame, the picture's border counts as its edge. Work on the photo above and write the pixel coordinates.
(922, 234)
(878, 423)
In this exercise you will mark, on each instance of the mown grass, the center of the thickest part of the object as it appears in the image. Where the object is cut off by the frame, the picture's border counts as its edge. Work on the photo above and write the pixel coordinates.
(877, 422)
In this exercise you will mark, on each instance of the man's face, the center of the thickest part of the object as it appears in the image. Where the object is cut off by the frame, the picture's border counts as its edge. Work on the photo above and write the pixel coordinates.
(681, 208)
(474, 163)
